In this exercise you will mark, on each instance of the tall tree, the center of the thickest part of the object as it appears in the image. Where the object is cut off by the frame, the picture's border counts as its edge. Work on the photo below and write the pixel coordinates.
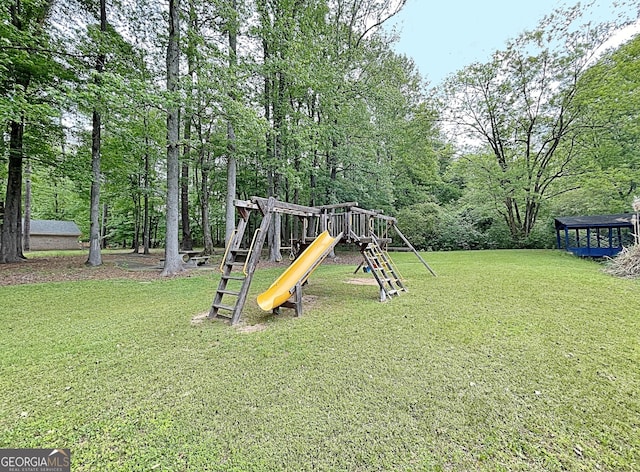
(277, 18)
(172, 259)
(520, 114)
(610, 146)
(190, 52)
(28, 56)
(95, 240)
(232, 33)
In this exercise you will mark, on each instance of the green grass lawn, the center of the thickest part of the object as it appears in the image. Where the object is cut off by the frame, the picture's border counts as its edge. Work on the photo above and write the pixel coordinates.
(508, 360)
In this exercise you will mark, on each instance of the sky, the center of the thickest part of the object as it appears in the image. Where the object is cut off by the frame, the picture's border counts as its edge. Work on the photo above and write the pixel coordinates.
(444, 36)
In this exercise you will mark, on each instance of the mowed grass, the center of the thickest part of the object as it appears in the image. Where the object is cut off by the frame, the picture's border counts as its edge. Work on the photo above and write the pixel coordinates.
(508, 360)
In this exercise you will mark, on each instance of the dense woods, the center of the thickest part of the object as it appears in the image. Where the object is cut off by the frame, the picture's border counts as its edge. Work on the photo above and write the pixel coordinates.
(141, 121)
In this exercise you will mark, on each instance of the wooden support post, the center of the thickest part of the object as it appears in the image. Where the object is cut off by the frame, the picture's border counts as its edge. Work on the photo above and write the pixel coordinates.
(410, 246)
(296, 304)
(323, 221)
(267, 210)
(298, 299)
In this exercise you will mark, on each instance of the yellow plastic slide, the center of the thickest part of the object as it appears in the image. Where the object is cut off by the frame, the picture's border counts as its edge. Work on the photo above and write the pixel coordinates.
(297, 272)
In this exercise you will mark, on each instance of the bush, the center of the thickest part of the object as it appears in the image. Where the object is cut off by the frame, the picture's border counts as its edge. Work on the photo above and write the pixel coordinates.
(419, 224)
(457, 231)
(431, 227)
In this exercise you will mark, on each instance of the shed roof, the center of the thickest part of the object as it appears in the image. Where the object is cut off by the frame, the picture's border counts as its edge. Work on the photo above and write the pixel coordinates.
(54, 228)
(621, 220)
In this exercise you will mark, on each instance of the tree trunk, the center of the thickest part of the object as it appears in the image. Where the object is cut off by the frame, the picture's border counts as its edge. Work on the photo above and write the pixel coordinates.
(204, 206)
(230, 216)
(11, 237)
(22, 15)
(137, 214)
(276, 235)
(172, 259)
(95, 256)
(332, 157)
(187, 240)
(313, 180)
(270, 150)
(103, 226)
(26, 228)
(147, 188)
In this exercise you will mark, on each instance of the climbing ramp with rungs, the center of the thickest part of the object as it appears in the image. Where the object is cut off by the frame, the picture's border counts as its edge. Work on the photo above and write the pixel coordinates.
(382, 269)
(238, 264)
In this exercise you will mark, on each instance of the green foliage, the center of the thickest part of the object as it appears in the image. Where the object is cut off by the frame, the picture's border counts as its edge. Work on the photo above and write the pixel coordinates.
(508, 360)
(432, 227)
(335, 103)
(523, 131)
(28, 71)
(611, 99)
(323, 111)
(420, 223)
(56, 197)
(417, 150)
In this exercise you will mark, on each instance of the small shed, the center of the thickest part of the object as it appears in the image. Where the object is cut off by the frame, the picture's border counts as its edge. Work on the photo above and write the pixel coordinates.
(596, 235)
(53, 235)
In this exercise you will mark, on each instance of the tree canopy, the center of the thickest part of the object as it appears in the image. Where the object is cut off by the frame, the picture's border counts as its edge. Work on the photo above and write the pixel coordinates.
(308, 102)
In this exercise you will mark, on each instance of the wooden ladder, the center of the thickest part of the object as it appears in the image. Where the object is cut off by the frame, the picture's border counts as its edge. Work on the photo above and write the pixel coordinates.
(382, 269)
(238, 266)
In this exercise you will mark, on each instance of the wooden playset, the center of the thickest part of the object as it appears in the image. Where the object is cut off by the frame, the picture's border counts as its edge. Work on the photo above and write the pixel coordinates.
(341, 223)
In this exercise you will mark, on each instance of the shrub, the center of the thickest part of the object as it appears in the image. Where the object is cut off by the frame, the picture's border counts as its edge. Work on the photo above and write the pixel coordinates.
(419, 223)
(431, 227)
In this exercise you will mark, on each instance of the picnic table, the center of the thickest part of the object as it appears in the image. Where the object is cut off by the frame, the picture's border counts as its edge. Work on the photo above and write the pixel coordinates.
(194, 256)
(188, 255)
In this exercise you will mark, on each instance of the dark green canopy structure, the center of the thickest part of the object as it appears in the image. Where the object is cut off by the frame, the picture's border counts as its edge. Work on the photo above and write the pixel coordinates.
(595, 235)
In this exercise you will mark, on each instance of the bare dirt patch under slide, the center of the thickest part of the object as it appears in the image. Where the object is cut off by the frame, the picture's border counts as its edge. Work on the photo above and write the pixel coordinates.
(361, 282)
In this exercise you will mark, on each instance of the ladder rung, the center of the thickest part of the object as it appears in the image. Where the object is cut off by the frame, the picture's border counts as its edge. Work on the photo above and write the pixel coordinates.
(240, 251)
(224, 317)
(220, 306)
(229, 292)
(235, 263)
(233, 277)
